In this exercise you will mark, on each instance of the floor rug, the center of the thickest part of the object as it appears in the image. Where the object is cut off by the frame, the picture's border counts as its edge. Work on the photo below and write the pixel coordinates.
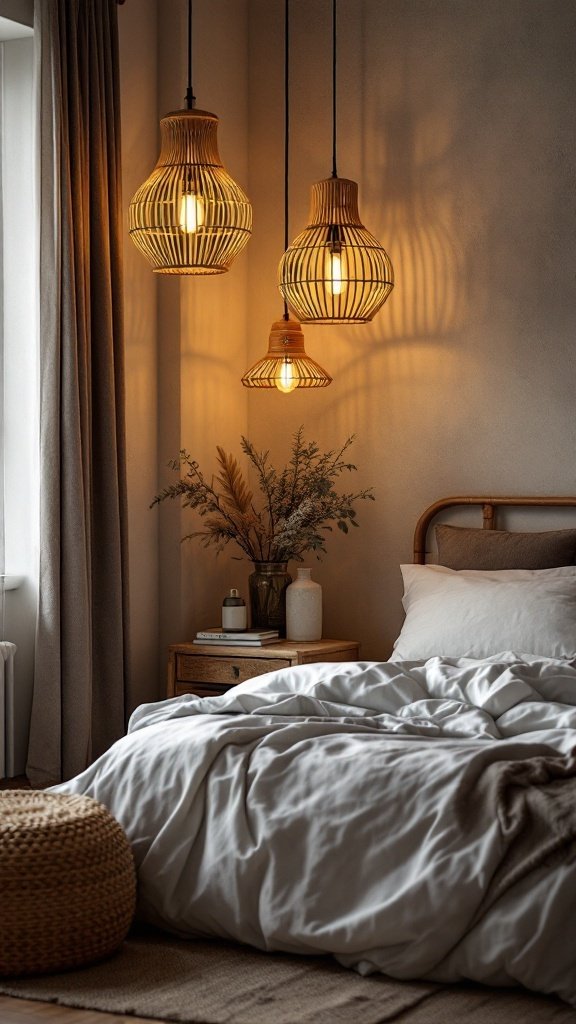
(205, 982)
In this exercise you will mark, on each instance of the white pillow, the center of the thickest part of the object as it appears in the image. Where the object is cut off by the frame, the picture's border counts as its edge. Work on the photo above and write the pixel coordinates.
(469, 613)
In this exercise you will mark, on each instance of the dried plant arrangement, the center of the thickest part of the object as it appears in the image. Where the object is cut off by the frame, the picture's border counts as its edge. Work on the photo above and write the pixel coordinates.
(297, 505)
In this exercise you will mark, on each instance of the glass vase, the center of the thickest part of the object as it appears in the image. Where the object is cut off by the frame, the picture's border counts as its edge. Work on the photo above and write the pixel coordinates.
(267, 589)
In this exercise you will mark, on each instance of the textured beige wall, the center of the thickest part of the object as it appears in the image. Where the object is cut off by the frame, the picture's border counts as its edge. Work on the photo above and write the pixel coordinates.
(457, 119)
(138, 69)
(185, 337)
(213, 309)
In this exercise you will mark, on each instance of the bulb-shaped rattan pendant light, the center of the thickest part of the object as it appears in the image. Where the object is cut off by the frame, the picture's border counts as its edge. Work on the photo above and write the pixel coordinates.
(335, 271)
(190, 216)
(286, 365)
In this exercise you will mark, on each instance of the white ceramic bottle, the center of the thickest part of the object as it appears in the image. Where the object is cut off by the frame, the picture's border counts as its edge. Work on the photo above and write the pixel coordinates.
(304, 608)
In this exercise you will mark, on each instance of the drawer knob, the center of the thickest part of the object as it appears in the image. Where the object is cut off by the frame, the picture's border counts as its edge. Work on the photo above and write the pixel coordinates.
(235, 671)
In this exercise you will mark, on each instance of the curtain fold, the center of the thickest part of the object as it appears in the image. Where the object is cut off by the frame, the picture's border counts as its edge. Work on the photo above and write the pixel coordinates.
(81, 656)
(2, 373)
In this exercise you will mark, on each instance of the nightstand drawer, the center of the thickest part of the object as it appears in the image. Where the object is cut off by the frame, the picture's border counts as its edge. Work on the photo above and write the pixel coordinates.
(208, 671)
(199, 669)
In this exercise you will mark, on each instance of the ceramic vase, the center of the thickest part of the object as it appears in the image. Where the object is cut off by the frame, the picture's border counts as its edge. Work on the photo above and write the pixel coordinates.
(304, 608)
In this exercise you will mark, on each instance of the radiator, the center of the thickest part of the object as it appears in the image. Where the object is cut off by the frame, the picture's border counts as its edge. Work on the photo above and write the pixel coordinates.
(7, 653)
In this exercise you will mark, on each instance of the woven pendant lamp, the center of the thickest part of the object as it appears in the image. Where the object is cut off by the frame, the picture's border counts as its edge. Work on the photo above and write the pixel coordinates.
(190, 216)
(335, 271)
(286, 366)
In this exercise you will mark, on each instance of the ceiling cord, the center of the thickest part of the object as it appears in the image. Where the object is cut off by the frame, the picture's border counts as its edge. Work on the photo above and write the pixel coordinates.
(334, 172)
(190, 97)
(286, 126)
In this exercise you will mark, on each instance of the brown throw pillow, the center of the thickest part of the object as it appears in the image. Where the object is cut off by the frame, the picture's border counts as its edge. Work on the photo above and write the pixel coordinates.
(462, 548)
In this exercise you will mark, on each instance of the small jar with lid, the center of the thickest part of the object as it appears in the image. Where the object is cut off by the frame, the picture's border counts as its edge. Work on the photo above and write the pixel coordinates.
(234, 618)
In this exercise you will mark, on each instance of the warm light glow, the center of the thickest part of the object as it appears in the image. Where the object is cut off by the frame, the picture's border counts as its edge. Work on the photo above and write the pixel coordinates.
(286, 365)
(189, 216)
(335, 272)
(288, 379)
(191, 212)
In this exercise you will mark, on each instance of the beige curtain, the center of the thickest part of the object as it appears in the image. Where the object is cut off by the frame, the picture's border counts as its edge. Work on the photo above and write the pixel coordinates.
(81, 649)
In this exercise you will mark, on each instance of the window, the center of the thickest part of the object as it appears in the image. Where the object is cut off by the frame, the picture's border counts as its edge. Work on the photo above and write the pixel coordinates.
(19, 500)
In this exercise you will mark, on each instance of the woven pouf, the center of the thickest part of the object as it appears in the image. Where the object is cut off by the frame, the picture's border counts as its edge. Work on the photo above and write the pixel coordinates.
(67, 882)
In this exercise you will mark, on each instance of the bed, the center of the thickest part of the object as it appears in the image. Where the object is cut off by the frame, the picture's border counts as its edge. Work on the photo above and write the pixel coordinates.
(414, 817)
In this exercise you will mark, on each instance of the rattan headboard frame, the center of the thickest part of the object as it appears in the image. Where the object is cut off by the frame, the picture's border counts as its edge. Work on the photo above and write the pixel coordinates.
(489, 509)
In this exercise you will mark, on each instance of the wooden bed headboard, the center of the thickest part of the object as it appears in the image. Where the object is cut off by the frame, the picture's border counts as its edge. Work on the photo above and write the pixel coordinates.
(489, 508)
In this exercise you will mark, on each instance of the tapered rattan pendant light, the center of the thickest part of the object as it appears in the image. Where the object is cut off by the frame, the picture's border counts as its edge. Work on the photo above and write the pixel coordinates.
(335, 271)
(286, 365)
(190, 216)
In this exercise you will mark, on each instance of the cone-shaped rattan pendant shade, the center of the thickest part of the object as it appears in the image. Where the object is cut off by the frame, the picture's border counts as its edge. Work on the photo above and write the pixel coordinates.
(335, 271)
(286, 365)
(190, 216)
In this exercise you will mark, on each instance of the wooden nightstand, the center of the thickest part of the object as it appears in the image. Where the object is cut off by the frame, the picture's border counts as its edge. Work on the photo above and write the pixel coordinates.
(210, 670)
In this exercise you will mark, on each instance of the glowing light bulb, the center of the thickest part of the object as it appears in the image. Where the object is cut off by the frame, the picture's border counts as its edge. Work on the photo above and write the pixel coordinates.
(335, 272)
(191, 212)
(287, 380)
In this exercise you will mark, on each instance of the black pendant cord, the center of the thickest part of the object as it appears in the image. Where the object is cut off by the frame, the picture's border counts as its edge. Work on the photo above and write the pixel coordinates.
(334, 172)
(190, 97)
(286, 127)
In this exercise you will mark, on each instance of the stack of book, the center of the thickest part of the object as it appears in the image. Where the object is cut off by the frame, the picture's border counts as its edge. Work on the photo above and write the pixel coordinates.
(247, 638)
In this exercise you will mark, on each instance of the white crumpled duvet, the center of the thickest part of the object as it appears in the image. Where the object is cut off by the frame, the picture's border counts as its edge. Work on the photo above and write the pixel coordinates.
(352, 809)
